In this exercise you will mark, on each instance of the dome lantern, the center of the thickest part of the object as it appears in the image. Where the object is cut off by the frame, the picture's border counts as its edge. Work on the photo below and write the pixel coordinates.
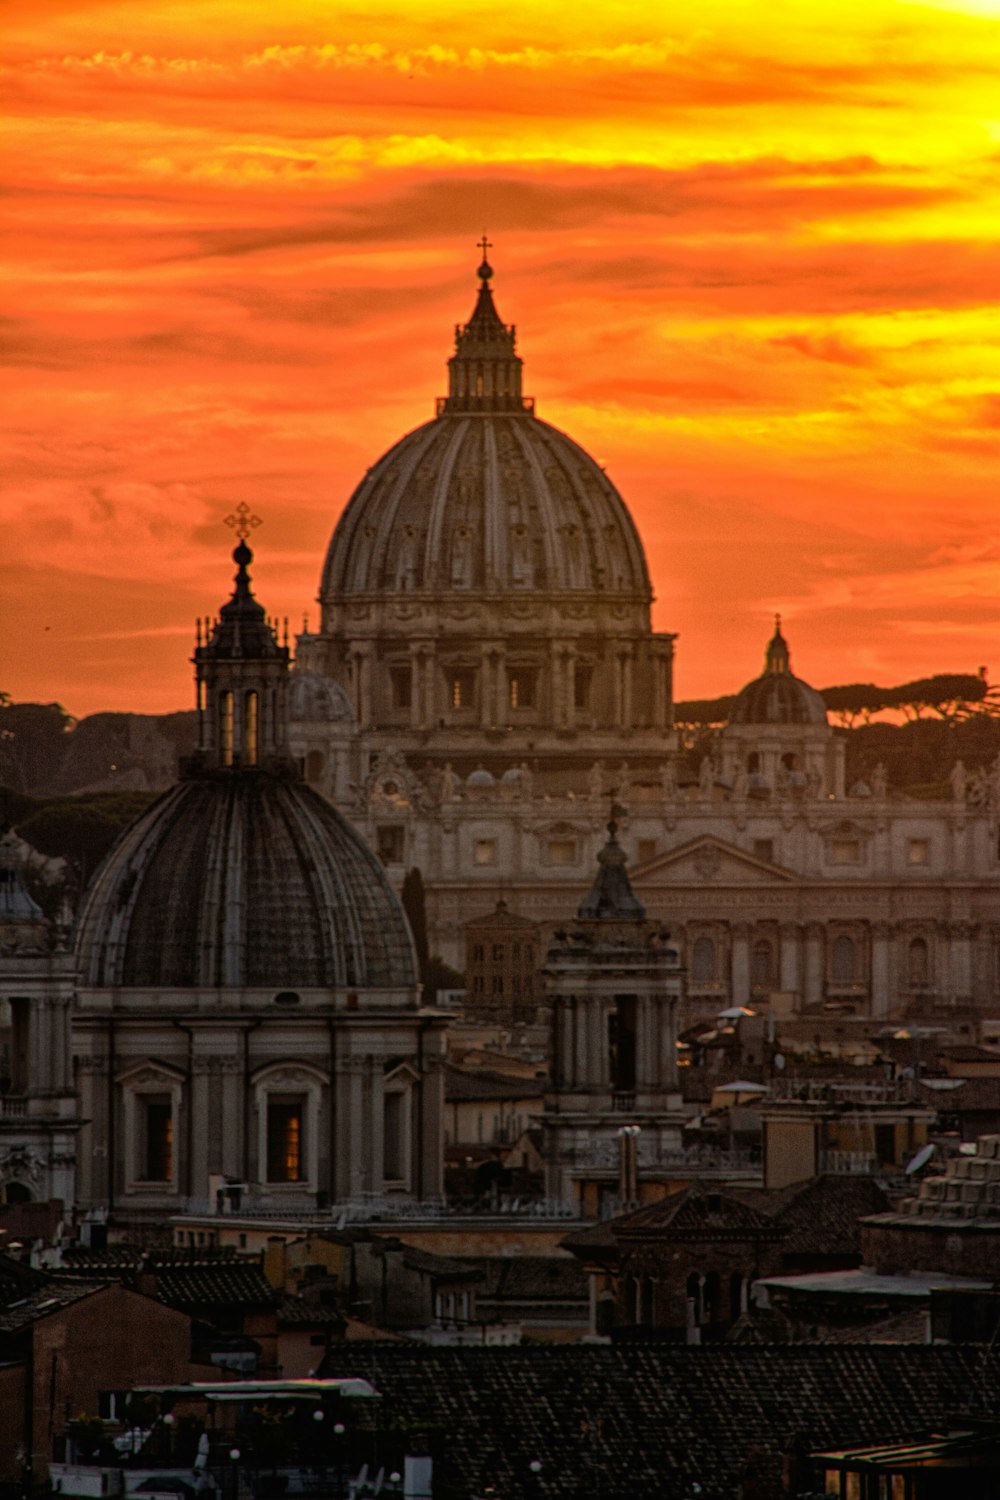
(241, 670)
(484, 373)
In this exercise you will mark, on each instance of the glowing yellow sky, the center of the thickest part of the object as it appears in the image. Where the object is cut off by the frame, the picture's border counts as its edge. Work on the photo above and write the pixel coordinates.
(752, 254)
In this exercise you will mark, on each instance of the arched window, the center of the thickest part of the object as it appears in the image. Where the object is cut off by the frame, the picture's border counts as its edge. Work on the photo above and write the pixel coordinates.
(790, 761)
(842, 960)
(762, 963)
(918, 966)
(753, 762)
(226, 727)
(250, 729)
(703, 961)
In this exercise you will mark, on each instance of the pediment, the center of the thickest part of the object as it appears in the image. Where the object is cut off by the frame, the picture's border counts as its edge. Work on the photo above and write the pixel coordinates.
(711, 861)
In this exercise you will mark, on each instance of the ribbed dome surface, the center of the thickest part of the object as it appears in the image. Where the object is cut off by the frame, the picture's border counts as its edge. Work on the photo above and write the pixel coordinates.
(242, 879)
(778, 698)
(485, 501)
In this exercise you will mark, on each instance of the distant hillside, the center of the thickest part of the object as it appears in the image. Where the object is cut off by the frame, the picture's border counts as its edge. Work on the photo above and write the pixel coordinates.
(44, 752)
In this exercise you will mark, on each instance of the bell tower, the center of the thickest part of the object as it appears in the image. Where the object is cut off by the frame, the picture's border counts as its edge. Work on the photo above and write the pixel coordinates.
(614, 982)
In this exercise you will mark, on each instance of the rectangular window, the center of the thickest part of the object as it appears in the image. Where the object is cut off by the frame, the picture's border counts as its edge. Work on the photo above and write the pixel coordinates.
(391, 843)
(515, 984)
(401, 687)
(462, 689)
(764, 849)
(498, 984)
(582, 678)
(477, 984)
(645, 849)
(561, 851)
(158, 1163)
(844, 852)
(498, 953)
(522, 690)
(284, 1140)
(918, 852)
(478, 953)
(484, 852)
(393, 1166)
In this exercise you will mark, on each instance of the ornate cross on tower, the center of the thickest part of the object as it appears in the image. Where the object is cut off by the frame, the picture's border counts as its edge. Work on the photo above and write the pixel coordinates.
(485, 244)
(243, 521)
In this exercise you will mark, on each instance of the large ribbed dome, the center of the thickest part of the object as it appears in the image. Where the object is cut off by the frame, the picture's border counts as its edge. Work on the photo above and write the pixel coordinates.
(243, 879)
(487, 497)
(777, 696)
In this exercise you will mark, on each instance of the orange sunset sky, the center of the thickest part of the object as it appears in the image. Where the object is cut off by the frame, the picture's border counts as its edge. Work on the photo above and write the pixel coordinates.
(751, 251)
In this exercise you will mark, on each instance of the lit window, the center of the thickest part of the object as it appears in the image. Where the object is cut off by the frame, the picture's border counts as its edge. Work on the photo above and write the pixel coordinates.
(462, 689)
(844, 852)
(562, 851)
(284, 1140)
(484, 852)
(918, 851)
(226, 723)
(522, 690)
(250, 729)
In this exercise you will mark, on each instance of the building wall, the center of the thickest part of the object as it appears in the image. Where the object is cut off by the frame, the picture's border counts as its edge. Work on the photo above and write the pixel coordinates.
(106, 1342)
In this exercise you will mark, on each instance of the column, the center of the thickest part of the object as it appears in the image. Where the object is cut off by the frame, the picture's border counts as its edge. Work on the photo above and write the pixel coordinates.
(882, 998)
(486, 700)
(813, 987)
(790, 962)
(596, 1044)
(430, 703)
(740, 963)
(960, 959)
(628, 663)
(501, 710)
(417, 717)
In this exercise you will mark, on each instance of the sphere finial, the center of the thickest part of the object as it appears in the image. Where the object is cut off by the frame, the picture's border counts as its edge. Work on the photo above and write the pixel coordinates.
(485, 272)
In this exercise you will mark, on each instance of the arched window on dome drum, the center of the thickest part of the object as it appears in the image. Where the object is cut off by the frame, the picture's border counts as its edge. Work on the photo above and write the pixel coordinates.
(918, 966)
(479, 383)
(284, 1139)
(843, 960)
(762, 963)
(250, 729)
(703, 961)
(227, 725)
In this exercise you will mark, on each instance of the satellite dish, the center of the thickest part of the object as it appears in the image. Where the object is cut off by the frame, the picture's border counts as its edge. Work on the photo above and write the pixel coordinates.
(921, 1159)
(779, 1060)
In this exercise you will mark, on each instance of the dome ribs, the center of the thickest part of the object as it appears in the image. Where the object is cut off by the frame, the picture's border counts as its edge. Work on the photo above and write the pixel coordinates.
(243, 880)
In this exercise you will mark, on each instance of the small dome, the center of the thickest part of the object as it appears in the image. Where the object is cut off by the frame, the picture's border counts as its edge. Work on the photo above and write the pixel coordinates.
(480, 779)
(316, 699)
(777, 696)
(512, 776)
(243, 878)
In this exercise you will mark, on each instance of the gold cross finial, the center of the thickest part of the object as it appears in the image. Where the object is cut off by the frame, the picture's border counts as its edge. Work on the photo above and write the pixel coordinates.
(243, 520)
(484, 245)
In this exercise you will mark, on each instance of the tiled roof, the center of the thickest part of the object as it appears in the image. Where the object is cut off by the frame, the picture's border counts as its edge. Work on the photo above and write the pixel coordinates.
(298, 1312)
(49, 1298)
(695, 1212)
(970, 1094)
(460, 1086)
(906, 1327)
(118, 1260)
(18, 1280)
(532, 1278)
(190, 1288)
(646, 1421)
(821, 1214)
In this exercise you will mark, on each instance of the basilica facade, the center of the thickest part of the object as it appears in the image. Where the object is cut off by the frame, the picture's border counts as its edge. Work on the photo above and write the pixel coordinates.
(486, 677)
